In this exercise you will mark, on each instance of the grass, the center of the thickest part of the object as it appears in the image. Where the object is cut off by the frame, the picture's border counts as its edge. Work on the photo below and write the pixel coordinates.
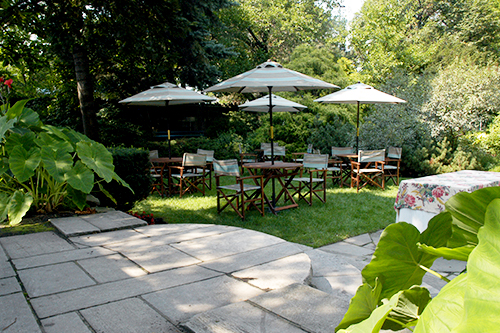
(345, 214)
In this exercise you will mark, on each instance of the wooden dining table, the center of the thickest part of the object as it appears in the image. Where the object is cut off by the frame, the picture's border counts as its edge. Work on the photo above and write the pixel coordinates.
(284, 172)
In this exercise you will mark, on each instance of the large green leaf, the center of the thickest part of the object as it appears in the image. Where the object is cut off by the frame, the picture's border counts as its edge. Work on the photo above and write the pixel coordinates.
(410, 306)
(362, 304)
(19, 205)
(26, 140)
(56, 162)
(81, 178)
(482, 295)
(468, 211)
(78, 198)
(458, 253)
(5, 125)
(4, 165)
(446, 310)
(95, 156)
(4, 205)
(16, 110)
(23, 163)
(46, 140)
(397, 259)
(30, 118)
(377, 318)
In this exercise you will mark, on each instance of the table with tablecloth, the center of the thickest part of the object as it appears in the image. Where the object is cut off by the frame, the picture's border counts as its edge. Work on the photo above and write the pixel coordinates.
(420, 199)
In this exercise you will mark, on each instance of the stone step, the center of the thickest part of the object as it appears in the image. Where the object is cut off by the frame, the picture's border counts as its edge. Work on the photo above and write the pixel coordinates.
(295, 308)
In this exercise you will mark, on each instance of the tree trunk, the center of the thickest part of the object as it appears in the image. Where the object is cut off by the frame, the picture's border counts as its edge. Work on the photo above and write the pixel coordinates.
(85, 93)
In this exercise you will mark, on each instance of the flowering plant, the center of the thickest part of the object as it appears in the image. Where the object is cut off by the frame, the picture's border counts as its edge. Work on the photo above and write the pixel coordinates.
(5, 86)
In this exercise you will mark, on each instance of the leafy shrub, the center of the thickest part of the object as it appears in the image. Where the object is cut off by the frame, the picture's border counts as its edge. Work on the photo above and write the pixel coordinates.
(44, 167)
(132, 165)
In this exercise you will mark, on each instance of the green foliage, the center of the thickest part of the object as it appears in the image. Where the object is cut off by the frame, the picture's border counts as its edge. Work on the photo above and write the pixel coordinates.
(132, 165)
(44, 167)
(469, 225)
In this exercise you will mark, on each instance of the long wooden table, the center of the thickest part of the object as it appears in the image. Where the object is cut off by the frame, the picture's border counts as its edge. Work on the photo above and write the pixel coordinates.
(284, 172)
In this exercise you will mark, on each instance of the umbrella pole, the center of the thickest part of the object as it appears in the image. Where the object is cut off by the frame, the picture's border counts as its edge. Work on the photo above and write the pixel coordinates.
(273, 197)
(168, 131)
(357, 131)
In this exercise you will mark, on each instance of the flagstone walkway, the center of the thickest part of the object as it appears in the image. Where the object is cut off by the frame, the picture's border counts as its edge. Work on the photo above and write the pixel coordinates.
(110, 272)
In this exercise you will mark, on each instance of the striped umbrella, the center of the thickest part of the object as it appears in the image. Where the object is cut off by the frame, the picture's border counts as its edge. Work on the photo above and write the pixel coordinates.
(279, 104)
(267, 77)
(166, 94)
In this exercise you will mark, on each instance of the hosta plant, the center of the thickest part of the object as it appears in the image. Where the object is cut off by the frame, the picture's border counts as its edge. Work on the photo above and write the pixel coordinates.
(391, 296)
(45, 168)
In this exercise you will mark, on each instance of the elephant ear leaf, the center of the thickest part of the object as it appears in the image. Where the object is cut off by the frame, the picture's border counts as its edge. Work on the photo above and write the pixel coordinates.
(19, 205)
(397, 259)
(362, 304)
(468, 211)
(16, 110)
(96, 157)
(5, 125)
(483, 283)
(56, 162)
(23, 163)
(80, 178)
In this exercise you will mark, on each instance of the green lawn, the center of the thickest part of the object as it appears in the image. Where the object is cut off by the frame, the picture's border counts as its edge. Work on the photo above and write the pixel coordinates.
(345, 214)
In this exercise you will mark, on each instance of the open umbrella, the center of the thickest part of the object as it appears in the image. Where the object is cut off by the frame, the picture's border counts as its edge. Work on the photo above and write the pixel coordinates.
(359, 93)
(166, 94)
(279, 104)
(270, 76)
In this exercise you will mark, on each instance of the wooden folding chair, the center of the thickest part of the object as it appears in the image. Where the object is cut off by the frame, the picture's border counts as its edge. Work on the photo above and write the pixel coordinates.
(239, 196)
(339, 169)
(316, 166)
(368, 169)
(279, 153)
(191, 175)
(392, 164)
(210, 158)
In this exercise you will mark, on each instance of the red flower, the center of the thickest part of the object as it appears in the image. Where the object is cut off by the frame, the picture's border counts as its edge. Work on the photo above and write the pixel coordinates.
(8, 83)
(410, 200)
(2, 79)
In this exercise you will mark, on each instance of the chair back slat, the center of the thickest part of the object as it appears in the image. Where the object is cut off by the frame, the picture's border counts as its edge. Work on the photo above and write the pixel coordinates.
(153, 154)
(394, 152)
(265, 145)
(278, 151)
(371, 155)
(226, 168)
(310, 148)
(315, 161)
(208, 153)
(342, 150)
(192, 160)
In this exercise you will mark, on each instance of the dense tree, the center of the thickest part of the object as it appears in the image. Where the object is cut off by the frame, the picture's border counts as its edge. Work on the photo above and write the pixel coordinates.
(121, 46)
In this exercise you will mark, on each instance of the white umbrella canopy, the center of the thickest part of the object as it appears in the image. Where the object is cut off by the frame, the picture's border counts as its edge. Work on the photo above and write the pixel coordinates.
(267, 75)
(279, 104)
(359, 93)
(166, 94)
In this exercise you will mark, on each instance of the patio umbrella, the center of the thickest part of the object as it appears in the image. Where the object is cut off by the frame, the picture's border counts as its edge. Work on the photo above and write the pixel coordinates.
(267, 77)
(359, 93)
(279, 104)
(166, 94)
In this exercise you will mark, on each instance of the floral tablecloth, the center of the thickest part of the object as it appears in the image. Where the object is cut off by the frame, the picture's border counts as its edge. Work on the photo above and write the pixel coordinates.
(430, 193)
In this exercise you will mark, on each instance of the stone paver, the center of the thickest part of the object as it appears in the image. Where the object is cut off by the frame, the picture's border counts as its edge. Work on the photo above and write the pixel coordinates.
(183, 302)
(45, 280)
(9, 285)
(240, 318)
(73, 226)
(129, 315)
(113, 220)
(347, 249)
(16, 315)
(69, 322)
(34, 244)
(111, 268)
